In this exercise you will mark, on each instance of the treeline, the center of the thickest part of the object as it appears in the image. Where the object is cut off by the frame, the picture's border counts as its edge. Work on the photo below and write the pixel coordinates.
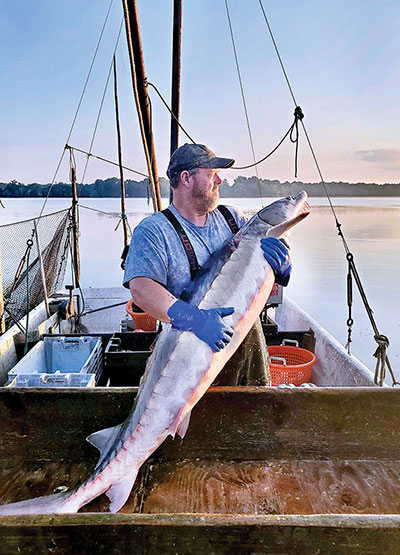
(251, 187)
(101, 188)
(241, 187)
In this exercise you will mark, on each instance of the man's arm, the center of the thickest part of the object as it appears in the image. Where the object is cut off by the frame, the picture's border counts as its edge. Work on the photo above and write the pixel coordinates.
(152, 297)
(207, 325)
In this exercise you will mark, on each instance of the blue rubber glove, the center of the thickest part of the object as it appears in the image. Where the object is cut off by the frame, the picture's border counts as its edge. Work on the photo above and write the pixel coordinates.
(276, 253)
(206, 324)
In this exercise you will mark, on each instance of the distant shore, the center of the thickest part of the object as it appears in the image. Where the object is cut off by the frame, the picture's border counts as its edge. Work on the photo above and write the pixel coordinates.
(242, 187)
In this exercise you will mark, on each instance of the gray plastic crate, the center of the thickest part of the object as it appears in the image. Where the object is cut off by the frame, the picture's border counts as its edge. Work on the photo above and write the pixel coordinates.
(53, 380)
(60, 356)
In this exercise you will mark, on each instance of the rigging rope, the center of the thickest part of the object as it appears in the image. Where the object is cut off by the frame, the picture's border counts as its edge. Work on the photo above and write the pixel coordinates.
(101, 106)
(104, 160)
(124, 220)
(124, 217)
(30, 245)
(25, 258)
(112, 214)
(243, 100)
(295, 103)
(170, 111)
(78, 107)
(298, 115)
(115, 215)
(382, 340)
(74, 270)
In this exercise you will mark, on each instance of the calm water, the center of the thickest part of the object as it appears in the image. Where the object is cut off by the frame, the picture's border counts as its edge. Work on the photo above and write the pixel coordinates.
(318, 284)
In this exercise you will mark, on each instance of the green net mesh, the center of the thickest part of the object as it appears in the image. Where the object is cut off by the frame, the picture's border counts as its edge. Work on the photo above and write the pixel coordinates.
(20, 275)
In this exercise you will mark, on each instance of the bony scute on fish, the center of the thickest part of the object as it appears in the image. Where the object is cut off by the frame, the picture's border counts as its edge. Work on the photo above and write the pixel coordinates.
(181, 367)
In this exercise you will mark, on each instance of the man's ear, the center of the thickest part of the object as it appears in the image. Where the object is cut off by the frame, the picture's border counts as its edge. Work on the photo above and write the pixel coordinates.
(185, 175)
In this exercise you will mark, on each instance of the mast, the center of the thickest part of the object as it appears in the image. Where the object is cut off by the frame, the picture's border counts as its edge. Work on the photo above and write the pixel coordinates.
(75, 226)
(2, 320)
(176, 74)
(139, 82)
(121, 171)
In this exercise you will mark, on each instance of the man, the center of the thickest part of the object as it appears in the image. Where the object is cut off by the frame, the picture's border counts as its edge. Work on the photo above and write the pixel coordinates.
(167, 248)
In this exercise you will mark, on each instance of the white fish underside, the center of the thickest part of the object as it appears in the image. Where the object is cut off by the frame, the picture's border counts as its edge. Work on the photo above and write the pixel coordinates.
(178, 373)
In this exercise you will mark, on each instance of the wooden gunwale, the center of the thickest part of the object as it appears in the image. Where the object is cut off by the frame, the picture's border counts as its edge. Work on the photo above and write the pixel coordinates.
(230, 423)
(198, 534)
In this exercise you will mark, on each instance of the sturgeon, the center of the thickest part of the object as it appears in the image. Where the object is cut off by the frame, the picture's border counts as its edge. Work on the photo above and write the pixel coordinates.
(182, 367)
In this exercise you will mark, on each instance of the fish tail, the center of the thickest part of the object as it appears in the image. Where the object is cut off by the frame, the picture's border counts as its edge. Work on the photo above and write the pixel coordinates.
(118, 493)
(38, 505)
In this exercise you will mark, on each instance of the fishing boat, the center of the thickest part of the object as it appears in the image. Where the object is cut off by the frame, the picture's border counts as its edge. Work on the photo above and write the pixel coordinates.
(271, 470)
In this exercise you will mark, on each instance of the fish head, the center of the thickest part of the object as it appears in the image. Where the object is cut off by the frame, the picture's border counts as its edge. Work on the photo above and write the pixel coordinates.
(283, 214)
(284, 209)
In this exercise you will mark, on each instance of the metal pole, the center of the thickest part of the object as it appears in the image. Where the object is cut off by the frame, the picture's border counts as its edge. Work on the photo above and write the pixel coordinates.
(121, 171)
(139, 82)
(76, 261)
(176, 74)
(2, 319)
(46, 300)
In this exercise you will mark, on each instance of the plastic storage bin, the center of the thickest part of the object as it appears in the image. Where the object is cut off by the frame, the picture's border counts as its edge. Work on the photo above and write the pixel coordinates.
(125, 358)
(53, 380)
(59, 357)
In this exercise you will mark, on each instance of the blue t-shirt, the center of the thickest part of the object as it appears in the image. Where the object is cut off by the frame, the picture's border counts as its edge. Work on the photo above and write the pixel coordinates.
(156, 252)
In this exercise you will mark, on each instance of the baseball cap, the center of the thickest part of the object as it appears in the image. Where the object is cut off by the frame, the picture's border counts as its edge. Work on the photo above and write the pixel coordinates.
(191, 156)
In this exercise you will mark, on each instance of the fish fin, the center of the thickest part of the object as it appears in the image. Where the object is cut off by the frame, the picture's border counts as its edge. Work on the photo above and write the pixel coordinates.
(38, 505)
(183, 426)
(179, 425)
(101, 439)
(282, 228)
(118, 493)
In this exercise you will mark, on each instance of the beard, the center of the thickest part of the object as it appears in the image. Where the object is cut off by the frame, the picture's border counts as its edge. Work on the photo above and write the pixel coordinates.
(205, 202)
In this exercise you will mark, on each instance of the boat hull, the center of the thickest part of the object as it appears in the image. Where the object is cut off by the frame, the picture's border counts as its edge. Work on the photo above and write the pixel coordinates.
(299, 476)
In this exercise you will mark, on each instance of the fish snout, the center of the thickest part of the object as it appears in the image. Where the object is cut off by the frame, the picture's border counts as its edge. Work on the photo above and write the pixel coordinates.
(297, 211)
(301, 202)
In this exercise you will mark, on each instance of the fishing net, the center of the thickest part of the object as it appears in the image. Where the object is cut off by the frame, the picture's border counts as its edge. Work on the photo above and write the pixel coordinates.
(20, 263)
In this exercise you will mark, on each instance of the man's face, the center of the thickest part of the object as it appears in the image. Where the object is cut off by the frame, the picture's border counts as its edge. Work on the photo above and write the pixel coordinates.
(205, 189)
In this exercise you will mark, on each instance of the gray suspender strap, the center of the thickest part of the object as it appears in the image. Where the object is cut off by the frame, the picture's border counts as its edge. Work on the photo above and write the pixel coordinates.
(187, 245)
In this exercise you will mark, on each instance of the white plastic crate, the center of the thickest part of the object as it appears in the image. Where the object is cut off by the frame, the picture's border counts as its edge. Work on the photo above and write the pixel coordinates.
(60, 356)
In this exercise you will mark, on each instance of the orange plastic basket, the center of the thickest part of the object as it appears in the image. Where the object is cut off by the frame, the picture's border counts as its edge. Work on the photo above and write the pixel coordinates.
(291, 365)
(143, 321)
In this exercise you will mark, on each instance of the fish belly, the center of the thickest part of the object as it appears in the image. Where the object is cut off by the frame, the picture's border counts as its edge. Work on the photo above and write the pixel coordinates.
(245, 282)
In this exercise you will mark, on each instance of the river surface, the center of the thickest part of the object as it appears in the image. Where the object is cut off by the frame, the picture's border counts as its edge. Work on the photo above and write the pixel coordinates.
(318, 283)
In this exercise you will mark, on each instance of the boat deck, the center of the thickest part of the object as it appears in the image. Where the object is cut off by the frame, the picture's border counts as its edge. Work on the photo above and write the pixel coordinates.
(300, 487)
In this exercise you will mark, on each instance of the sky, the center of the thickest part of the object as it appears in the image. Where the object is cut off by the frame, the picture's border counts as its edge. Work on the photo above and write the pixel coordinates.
(341, 56)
